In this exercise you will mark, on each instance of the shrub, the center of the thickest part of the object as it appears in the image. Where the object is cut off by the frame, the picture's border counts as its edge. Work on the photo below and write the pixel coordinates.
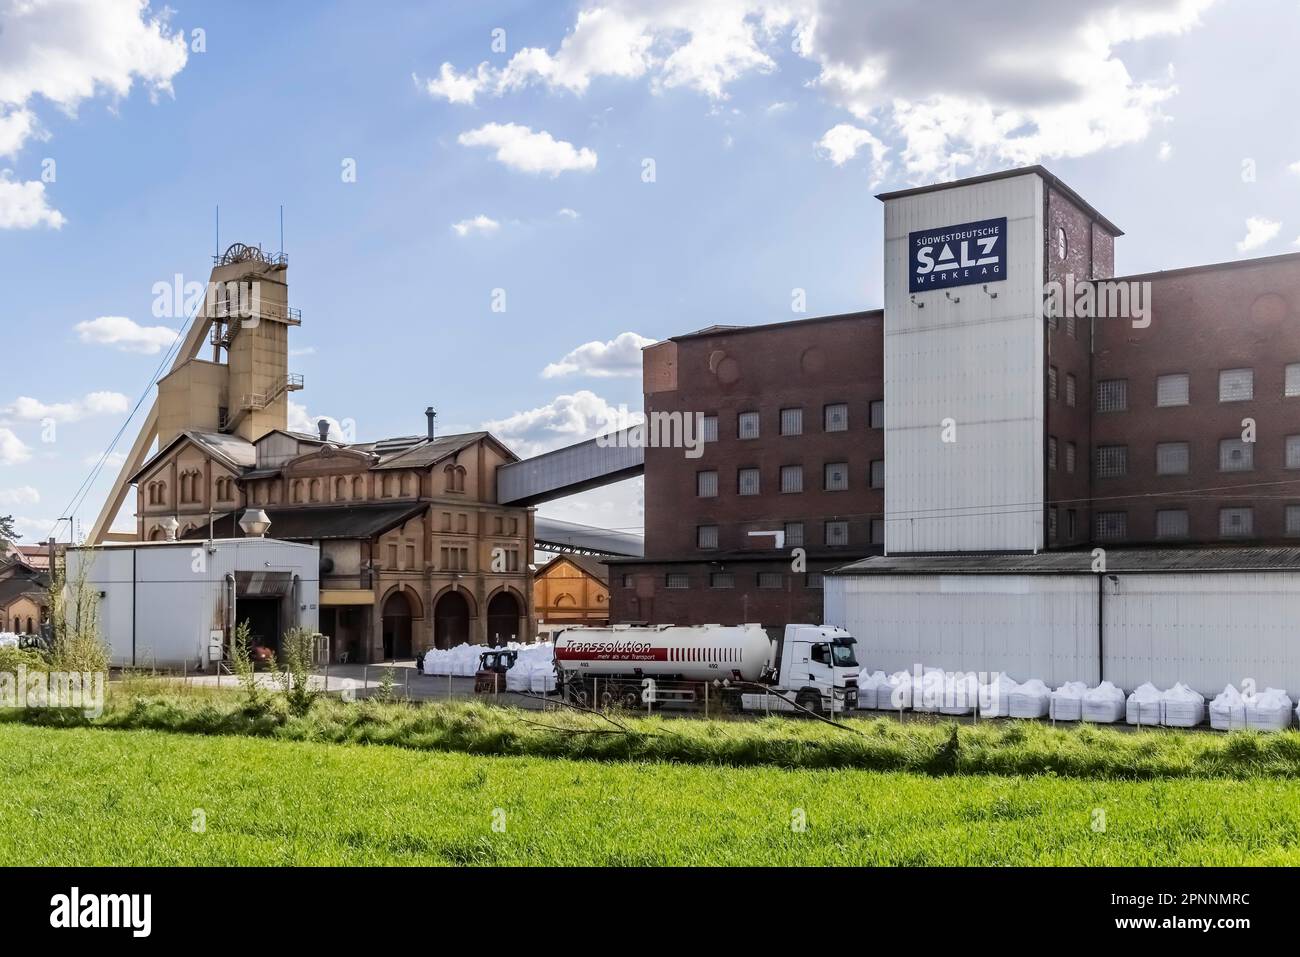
(295, 680)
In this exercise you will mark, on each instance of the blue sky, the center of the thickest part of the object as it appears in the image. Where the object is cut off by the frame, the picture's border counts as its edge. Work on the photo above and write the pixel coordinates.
(770, 127)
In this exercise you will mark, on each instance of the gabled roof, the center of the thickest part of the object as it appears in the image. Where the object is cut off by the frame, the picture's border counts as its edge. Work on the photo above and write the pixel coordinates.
(592, 566)
(235, 453)
(22, 584)
(410, 452)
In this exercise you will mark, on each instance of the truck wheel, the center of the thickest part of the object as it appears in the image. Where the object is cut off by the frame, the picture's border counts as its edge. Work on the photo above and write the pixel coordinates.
(630, 698)
(810, 700)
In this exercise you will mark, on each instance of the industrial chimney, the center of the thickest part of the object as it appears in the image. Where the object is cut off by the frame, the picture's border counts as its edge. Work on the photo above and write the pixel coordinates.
(432, 417)
(323, 427)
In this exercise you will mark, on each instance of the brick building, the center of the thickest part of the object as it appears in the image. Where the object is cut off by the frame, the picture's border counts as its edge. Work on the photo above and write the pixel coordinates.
(1077, 430)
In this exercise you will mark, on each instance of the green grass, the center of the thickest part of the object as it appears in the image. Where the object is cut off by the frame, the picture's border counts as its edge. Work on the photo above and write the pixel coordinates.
(881, 744)
(90, 796)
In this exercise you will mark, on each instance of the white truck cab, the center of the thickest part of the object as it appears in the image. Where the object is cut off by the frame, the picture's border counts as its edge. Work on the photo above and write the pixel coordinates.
(816, 669)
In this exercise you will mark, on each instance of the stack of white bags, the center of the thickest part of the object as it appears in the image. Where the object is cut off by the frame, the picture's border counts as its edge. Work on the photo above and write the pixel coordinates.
(1269, 710)
(1144, 705)
(1183, 707)
(995, 697)
(533, 670)
(869, 687)
(8, 639)
(1067, 702)
(1029, 700)
(1103, 704)
(1228, 710)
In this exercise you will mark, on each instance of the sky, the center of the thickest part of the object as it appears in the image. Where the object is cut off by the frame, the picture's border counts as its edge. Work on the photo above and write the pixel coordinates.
(491, 207)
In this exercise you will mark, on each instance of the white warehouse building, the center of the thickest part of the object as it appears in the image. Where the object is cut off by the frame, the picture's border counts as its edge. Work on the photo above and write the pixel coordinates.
(172, 604)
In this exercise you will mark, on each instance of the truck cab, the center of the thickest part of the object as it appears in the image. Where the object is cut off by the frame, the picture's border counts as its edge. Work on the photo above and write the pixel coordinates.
(818, 668)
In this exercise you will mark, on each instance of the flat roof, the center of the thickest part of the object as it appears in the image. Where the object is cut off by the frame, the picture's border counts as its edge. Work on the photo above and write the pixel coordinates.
(1279, 259)
(1125, 560)
(712, 331)
(1036, 170)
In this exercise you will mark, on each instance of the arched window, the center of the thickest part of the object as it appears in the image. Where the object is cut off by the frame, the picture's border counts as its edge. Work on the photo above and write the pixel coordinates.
(406, 485)
(340, 489)
(315, 490)
(358, 487)
(454, 478)
(1062, 243)
(386, 486)
(297, 490)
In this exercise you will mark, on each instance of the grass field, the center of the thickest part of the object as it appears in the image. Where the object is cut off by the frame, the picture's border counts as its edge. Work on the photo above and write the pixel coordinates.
(93, 796)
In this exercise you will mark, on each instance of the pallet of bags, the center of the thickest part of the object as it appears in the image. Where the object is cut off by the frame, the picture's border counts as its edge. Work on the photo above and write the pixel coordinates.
(1182, 707)
(1270, 710)
(995, 696)
(1066, 703)
(1145, 705)
(1103, 704)
(960, 693)
(1029, 700)
(1228, 710)
(869, 685)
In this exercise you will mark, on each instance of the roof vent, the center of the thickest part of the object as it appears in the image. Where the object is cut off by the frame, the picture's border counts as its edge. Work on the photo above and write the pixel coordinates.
(323, 427)
(255, 523)
(169, 526)
(432, 417)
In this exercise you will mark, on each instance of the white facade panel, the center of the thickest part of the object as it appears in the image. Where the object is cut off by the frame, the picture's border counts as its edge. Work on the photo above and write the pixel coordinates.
(1204, 629)
(964, 358)
(1030, 626)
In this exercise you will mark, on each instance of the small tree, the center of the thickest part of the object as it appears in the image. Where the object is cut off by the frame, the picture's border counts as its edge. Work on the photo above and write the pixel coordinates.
(7, 534)
(241, 659)
(295, 680)
(75, 643)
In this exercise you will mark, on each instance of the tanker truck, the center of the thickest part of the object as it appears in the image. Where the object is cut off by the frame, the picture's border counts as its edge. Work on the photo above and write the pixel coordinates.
(737, 666)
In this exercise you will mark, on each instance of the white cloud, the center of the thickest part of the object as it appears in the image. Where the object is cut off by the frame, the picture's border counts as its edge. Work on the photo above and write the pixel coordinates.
(22, 495)
(841, 143)
(23, 204)
(562, 421)
(13, 450)
(1165, 152)
(304, 351)
(620, 356)
(481, 224)
(92, 404)
(1295, 167)
(1258, 232)
(974, 86)
(454, 87)
(125, 334)
(66, 51)
(568, 213)
(520, 148)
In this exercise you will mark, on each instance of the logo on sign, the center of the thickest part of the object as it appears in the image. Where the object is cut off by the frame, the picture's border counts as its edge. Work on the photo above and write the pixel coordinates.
(958, 255)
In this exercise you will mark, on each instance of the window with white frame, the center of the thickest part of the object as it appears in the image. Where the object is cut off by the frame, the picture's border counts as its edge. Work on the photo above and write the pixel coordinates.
(878, 473)
(1236, 385)
(1071, 452)
(791, 478)
(1173, 389)
(747, 425)
(1112, 395)
(793, 533)
(837, 476)
(1172, 458)
(709, 428)
(1236, 455)
(792, 421)
(747, 481)
(1237, 521)
(1112, 526)
(1112, 461)
(1293, 451)
(1171, 523)
(837, 533)
(878, 414)
(835, 417)
(1292, 387)
(706, 484)
(1071, 389)
(706, 536)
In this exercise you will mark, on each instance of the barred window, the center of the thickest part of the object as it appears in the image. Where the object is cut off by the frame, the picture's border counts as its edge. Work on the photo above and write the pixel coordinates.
(1292, 387)
(1236, 455)
(1071, 389)
(878, 414)
(1172, 458)
(1112, 461)
(706, 484)
(1112, 526)
(1051, 524)
(677, 580)
(1237, 522)
(1293, 519)
(747, 425)
(722, 580)
(793, 533)
(1173, 389)
(1236, 385)
(771, 580)
(1051, 453)
(709, 428)
(747, 481)
(813, 580)
(628, 581)
(837, 533)
(706, 536)
(837, 476)
(1071, 452)
(1051, 382)
(1171, 523)
(877, 531)
(836, 417)
(792, 421)
(791, 478)
(1293, 451)
(1112, 395)
(878, 473)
